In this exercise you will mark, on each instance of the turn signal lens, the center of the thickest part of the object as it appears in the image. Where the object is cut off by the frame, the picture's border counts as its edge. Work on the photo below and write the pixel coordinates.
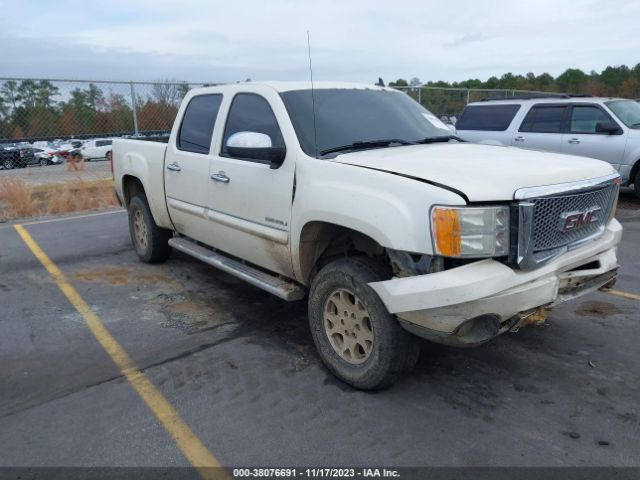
(446, 231)
(470, 231)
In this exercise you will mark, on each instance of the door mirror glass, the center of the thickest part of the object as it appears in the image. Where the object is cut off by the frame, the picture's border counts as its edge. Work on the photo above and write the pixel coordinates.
(255, 146)
(607, 127)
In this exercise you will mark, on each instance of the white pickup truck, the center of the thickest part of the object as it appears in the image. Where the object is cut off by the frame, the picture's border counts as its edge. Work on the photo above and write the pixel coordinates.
(359, 197)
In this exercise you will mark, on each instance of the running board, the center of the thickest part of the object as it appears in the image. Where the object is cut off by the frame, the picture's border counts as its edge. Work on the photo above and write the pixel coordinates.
(275, 285)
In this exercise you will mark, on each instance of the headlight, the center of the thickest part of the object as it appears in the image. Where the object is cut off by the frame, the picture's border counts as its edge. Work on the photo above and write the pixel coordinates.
(470, 231)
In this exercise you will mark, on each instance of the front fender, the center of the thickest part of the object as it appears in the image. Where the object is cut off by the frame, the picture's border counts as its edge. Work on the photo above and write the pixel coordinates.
(391, 209)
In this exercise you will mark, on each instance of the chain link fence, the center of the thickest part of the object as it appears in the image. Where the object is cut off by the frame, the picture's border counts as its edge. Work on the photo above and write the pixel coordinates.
(50, 109)
(449, 102)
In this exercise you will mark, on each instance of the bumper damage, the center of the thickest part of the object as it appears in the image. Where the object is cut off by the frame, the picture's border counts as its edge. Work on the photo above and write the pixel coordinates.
(472, 304)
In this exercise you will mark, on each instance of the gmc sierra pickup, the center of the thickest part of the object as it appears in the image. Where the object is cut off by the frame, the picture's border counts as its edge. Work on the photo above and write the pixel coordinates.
(358, 197)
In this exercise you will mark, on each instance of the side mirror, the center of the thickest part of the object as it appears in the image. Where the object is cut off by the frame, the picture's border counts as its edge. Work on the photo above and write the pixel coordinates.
(607, 127)
(255, 146)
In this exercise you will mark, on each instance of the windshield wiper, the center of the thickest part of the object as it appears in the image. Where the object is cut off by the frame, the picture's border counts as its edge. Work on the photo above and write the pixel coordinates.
(444, 138)
(364, 145)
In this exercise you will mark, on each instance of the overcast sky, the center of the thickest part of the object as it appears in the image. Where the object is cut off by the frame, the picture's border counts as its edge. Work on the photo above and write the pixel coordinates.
(215, 41)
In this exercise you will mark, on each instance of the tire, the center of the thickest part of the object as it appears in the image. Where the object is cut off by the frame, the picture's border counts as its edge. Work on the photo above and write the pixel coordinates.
(384, 352)
(636, 184)
(149, 240)
(109, 155)
(44, 162)
(7, 164)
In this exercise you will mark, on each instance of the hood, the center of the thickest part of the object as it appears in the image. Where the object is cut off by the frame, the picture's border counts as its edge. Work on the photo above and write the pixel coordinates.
(480, 172)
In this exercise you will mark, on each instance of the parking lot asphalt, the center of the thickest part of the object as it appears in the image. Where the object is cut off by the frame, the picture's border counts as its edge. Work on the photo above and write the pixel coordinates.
(239, 368)
(37, 175)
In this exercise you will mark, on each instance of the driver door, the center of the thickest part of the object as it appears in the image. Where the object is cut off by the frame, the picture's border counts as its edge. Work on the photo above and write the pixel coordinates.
(250, 198)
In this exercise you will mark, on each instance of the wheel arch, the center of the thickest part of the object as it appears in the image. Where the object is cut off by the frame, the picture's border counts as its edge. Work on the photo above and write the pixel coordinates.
(131, 186)
(321, 241)
(634, 172)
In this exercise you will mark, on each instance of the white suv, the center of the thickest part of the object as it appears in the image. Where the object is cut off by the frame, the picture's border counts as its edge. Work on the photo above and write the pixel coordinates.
(97, 148)
(603, 128)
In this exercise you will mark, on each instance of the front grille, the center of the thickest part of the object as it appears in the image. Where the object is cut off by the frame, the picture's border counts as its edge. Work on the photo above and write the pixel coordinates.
(548, 222)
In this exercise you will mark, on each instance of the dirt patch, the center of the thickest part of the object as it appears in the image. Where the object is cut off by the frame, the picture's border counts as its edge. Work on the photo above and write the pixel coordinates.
(119, 276)
(192, 312)
(597, 309)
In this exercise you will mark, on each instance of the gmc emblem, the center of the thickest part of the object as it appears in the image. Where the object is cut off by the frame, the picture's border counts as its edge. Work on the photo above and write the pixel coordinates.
(573, 220)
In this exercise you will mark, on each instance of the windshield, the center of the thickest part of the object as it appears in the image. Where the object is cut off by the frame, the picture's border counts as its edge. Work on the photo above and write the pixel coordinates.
(627, 111)
(357, 116)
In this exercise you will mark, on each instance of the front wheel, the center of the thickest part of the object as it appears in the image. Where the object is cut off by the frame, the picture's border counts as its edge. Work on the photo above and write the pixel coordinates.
(149, 240)
(7, 164)
(636, 184)
(356, 337)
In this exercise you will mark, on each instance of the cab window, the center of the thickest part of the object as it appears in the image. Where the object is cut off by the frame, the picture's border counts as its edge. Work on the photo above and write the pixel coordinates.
(197, 125)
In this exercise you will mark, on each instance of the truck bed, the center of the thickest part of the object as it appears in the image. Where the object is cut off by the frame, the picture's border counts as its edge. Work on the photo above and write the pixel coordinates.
(143, 159)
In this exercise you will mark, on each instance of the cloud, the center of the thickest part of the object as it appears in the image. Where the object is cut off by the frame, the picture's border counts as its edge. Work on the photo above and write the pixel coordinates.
(215, 41)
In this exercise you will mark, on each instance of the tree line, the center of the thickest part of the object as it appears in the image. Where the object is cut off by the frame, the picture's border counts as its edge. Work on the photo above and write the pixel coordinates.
(616, 81)
(38, 109)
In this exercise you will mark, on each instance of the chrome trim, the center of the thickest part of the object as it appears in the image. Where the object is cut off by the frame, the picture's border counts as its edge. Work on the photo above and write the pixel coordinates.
(564, 188)
(525, 231)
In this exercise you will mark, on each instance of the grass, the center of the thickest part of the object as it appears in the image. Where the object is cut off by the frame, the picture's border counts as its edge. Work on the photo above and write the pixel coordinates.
(18, 199)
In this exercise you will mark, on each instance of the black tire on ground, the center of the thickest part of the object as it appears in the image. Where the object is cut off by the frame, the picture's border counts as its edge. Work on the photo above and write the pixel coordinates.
(636, 184)
(393, 351)
(149, 240)
(7, 164)
(44, 162)
(109, 154)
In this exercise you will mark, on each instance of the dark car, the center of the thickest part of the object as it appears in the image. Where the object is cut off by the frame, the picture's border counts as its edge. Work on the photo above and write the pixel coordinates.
(20, 157)
(10, 158)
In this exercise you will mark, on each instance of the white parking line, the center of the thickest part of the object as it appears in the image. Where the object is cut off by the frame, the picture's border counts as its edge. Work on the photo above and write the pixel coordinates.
(64, 219)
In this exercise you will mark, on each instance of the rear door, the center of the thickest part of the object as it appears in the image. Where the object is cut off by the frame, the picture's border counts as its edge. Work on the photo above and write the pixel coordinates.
(542, 128)
(250, 201)
(582, 138)
(186, 166)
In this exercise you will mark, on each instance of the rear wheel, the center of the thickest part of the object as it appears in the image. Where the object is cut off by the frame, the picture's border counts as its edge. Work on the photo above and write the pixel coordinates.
(149, 240)
(356, 337)
(109, 155)
(7, 164)
(636, 184)
(44, 162)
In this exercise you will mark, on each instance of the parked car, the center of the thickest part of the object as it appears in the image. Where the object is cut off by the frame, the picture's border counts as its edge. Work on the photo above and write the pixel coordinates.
(96, 148)
(369, 205)
(47, 156)
(10, 157)
(604, 128)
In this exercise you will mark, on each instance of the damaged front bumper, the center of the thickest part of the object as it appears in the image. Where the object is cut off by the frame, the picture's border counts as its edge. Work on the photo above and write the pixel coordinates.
(469, 305)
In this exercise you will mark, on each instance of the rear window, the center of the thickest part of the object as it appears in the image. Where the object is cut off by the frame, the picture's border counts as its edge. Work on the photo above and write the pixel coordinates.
(198, 122)
(544, 119)
(492, 118)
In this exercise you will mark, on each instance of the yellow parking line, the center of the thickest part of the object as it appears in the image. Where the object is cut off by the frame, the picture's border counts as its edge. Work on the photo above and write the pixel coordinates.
(618, 293)
(190, 445)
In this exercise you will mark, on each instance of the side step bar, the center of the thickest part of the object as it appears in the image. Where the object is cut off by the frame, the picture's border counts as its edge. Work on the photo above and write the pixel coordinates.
(275, 285)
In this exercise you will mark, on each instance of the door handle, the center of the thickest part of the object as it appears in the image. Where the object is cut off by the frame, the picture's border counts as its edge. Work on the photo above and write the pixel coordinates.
(519, 138)
(574, 141)
(174, 167)
(220, 177)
